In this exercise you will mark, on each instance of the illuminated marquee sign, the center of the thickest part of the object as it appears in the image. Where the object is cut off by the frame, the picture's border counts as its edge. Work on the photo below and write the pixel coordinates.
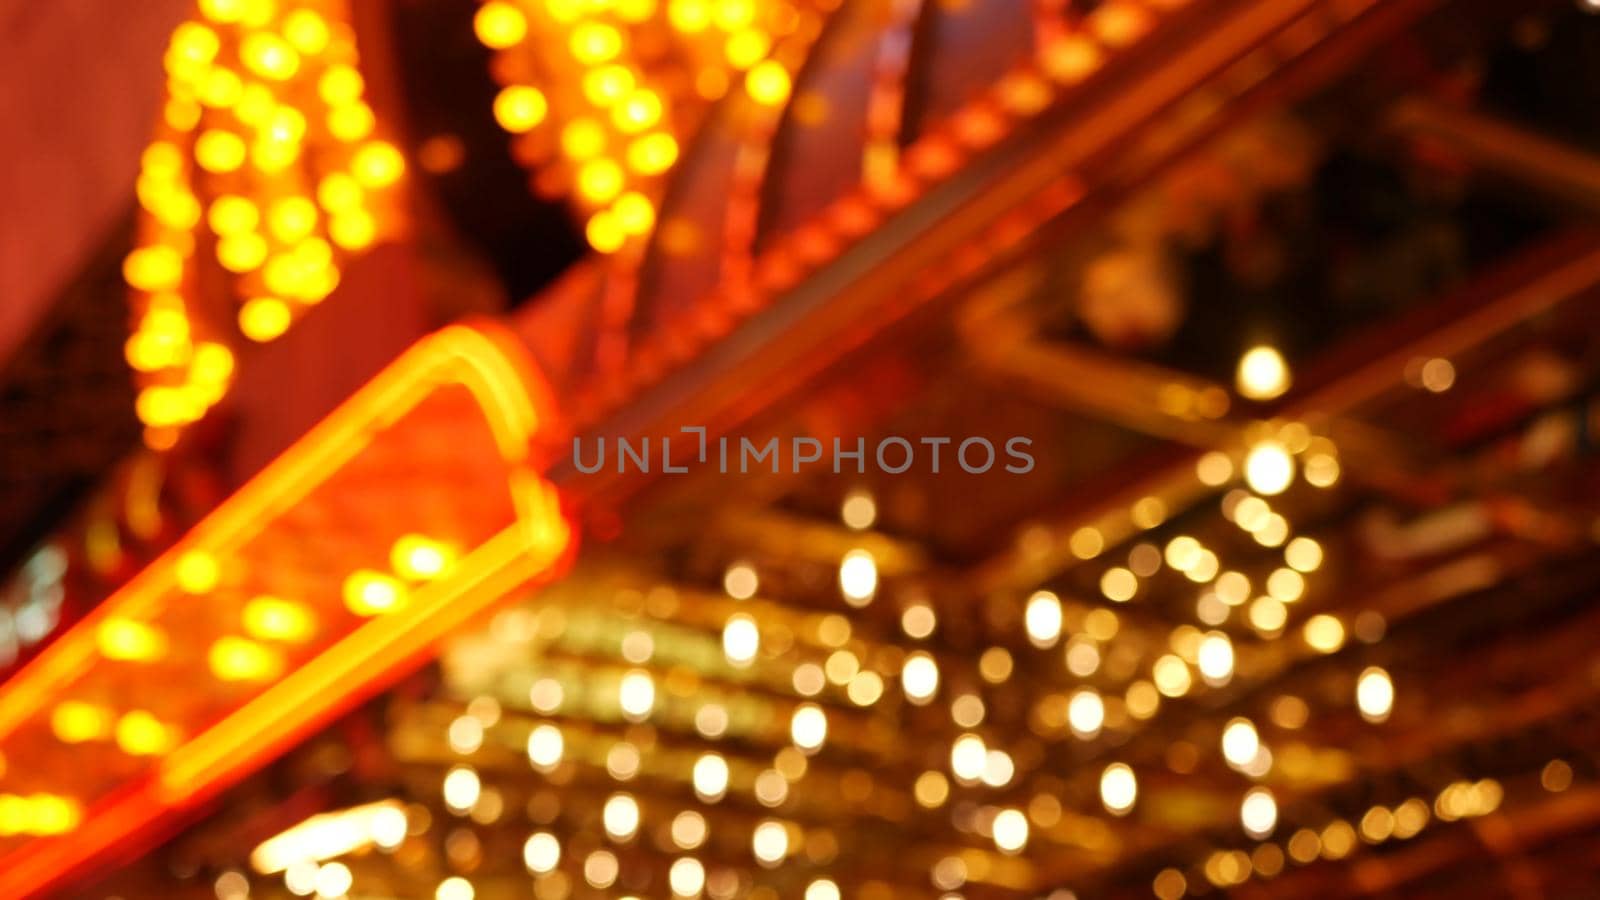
(411, 507)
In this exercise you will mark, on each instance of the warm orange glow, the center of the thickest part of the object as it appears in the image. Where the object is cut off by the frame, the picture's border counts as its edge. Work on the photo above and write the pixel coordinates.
(353, 658)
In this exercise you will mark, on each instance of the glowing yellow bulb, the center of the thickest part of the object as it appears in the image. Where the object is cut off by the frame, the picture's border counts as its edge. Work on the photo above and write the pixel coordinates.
(1119, 584)
(1268, 615)
(141, 734)
(499, 25)
(1010, 831)
(641, 110)
(255, 105)
(368, 593)
(74, 722)
(620, 816)
(607, 84)
(710, 777)
(1118, 789)
(268, 56)
(541, 852)
(263, 318)
(746, 48)
(338, 192)
(636, 11)
(1262, 374)
(1042, 619)
(159, 405)
(1215, 658)
(420, 558)
(594, 42)
(340, 84)
(352, 229)
(1258, 813)
(583, 138)
(1303, 554)
(599, 180)
(740, 581)
(154, 268)
(740, 640)
(194, 42)
(605, 234)
(351, 122)
(377, 164)
(274, 619)
(652, 154)
(545, 746)
(689, 16)
(1171, 676)
(636, 695)
(686, 877)
(232, 214)
(306, 30)
(520, 108)
(238, 659)
(1086, 713)
(1374, 694)
(1324, 633)
(196, 571)
(292, 218)
(212, 364)
(1240, 742)
(770, 843)
(919, 678)
(634, 213)
(808, 728)
(222, 10)
(768, 83)
(242, 252)
(1269, 469)
(858, 577)
(462, 788)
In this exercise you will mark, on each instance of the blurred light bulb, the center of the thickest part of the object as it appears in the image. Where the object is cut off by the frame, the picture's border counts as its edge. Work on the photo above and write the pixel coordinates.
(1374, 694)
(1118, 789)
(1042, 619)
(1268, 468)
(541, 852)
(1258, 813)
(741, 639)
(858, 577)
(1010, 831)
(1215, 658)
(968, 756)
(1086, 713)
(710, 777)
(1240, 742)
(809, 727)
(919, 678)
(637, 695)
(770, 843)
(620, 816)
(1262, 374)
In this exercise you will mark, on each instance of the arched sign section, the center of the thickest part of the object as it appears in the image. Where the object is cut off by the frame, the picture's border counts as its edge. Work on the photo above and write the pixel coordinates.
(411, 507)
